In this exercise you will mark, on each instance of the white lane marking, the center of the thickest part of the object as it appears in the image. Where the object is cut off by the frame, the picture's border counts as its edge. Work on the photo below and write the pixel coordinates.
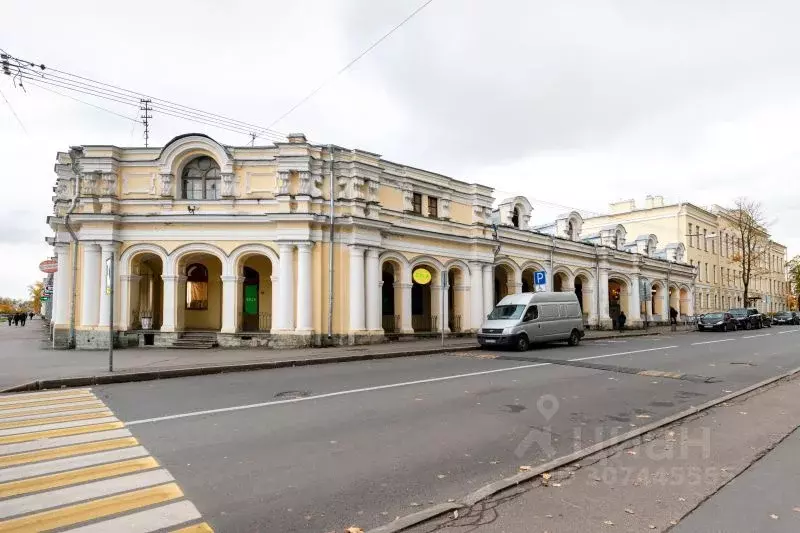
(621, 353)
(35, 416)
(163, 517)
(788, 331)
(60, 425)
(44, 444)
(20, 410)
(367, 389)
(27, 398)
(711, 342)
(754, 336)
(60, 465)
(87, 491)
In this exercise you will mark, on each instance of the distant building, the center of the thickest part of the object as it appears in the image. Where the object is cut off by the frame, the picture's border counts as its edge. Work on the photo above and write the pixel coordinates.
(710, 244)
(235, 244)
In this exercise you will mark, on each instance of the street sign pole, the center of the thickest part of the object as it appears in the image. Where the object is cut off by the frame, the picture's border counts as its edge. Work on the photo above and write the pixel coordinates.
(444, 291)
(110, 292)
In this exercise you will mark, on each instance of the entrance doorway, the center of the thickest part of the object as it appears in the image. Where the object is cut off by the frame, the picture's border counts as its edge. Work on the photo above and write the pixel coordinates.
(250, 300)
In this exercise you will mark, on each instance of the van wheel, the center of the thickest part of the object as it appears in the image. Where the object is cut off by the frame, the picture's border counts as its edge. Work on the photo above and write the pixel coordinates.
(574, 338)
(522, 343)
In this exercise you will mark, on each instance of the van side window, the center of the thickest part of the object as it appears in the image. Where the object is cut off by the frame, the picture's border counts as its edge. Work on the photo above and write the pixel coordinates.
(531, 314)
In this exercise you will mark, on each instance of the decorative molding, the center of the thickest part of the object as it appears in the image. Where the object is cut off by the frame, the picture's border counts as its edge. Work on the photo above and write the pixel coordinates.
(165, 180)
(282, 183)
(228, 184)
(126, 189)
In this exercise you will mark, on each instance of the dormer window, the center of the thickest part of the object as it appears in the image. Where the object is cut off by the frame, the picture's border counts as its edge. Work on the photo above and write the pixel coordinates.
(416, 203)
(201, 179)
(571, 230)
(515, 217)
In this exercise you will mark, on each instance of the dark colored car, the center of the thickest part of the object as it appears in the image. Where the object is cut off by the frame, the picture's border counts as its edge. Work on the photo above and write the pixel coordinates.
(766, 320)
(747, 318)
(716, 322)
(786, 318)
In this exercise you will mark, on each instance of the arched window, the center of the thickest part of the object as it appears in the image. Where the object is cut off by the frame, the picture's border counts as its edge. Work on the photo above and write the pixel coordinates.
(570, 231)
(515, 217)
(196, 286)
(201, 179)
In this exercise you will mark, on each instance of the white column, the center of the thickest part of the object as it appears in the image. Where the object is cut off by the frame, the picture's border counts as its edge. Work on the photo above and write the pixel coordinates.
(128, 292)
(603, 296)
(286, 313)
(276, 306)
(517, 287)
(374, 283)
(90, 296)
(635, 311)
(170, 310)
(230, 292)
(590, 303)
(665, 304)
(476, 313)
(61, 286)
(488, 289)
(357, 289)
(444, 306)
(405, 289)
(108, 250)
(690, 306)
(304, 303)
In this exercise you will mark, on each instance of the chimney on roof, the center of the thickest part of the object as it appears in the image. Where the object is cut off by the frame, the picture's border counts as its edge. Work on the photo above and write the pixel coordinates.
(297, 138)
(651, 202)
(622, 206)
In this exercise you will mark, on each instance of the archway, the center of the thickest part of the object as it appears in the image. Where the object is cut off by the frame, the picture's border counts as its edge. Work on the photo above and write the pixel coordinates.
(527, 280)
(657, 303)
(256, 294)
(503, 282)
(674, 299)
(559, 281)
(199, 301)
(617, 298)
(390, 297)
(684, 294)
(582, 281)
(457, 303)
(146, 292)
(424, 301)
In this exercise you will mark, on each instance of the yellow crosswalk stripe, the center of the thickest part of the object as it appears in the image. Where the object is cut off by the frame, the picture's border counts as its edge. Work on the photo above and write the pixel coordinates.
(73, 477)
(67, 451)
(197, 528)
(33, 403)
(53, 420)
(63, 432)
(14, 398)
(82, 512)
(46, 409)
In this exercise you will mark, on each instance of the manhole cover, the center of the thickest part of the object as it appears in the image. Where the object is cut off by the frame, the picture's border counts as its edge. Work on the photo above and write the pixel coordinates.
(290, 394)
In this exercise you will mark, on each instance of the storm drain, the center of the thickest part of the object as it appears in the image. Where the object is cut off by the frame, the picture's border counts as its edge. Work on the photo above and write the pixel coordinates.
(619, 369)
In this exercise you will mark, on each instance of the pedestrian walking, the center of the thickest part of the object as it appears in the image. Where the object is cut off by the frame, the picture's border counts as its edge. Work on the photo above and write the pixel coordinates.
(22, 318)
(621, 319)
(673, 318)
(30, 315)
(10, 318)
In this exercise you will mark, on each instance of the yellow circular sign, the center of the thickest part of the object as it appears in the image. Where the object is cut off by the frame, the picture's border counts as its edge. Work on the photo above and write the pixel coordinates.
(422, 276)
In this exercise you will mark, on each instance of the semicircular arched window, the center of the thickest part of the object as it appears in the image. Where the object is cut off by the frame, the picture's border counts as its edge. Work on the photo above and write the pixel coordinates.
(201, 179)
(196, 286)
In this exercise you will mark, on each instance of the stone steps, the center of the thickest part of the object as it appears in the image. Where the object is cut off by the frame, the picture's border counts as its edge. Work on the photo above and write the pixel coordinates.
(196, 340)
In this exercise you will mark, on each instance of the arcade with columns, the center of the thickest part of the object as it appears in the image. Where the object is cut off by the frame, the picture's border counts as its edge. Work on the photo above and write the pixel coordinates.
(239, 245)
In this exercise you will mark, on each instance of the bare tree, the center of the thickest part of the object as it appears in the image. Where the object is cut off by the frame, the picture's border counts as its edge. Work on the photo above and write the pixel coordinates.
(794, 279)
(751, 245)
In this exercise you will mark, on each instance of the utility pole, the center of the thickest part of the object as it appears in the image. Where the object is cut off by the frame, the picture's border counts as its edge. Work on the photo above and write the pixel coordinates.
(146, 116)
(253, 139)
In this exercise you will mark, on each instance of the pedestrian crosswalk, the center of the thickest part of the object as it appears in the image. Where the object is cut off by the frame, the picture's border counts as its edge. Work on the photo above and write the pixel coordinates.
(68, 464)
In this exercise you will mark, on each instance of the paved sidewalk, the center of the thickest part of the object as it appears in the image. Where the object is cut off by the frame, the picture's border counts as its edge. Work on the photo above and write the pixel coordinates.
(25, 355)
(657, 483)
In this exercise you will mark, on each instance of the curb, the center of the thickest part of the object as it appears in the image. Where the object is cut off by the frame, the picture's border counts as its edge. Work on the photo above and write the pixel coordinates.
(128, 377)
(493, 488)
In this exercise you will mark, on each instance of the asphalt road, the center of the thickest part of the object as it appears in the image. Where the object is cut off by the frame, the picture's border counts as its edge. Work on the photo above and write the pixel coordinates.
(322, 448)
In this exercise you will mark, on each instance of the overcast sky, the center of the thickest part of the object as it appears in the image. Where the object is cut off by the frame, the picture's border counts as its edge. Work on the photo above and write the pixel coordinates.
(575, 103)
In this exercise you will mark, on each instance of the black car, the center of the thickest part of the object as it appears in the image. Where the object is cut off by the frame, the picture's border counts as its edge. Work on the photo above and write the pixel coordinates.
(747, 318)
(786, 318)
(716, 322)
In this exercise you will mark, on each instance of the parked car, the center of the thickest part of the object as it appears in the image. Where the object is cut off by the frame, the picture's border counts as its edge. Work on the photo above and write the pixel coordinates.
(518, 320)
(746, 318)
(786, 318)
(766, 320)
(716, 322)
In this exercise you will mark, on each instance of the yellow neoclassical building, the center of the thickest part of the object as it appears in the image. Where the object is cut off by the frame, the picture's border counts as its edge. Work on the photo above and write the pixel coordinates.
(296, 244)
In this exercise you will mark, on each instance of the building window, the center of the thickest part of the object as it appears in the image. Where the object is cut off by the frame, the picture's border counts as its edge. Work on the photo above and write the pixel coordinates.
(697, 236)
(200, 179)
(416, 206)
(689, 233)
(515, 218)
(433, 207)
(714, 245)
(196, 287)
(705, 240)
(706, 269)
(715, 273)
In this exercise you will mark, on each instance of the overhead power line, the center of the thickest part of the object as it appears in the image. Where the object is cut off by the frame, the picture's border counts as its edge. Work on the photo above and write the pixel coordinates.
(21, 125)
(310, 95)
(23, 72)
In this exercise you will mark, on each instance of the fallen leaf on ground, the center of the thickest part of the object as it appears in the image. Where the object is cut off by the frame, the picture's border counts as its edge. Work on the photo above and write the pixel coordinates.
(642, 416)
(608, 522)
(546, 476)
(631, 452)
(548, 516)
(773, 516)
(681, 499)
(556, 484)
(525, 468)
(441, 476)
(742, 412)
(414, 504)
(728, 391)
(455, 513)
(629, 511)
(354, 529)
(673, 522)
(651, 526)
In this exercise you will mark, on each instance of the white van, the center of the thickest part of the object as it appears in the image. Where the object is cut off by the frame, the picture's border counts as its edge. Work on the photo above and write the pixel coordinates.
(530, 317)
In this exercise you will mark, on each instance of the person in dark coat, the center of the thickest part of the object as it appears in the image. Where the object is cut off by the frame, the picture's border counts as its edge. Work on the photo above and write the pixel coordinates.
(673, 318)
(30, 316)
(621, 320)
(10, 318)
(16, 319)
(23, 317)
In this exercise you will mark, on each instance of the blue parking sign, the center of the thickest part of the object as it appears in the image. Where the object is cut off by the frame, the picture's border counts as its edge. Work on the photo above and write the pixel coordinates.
(540, 278)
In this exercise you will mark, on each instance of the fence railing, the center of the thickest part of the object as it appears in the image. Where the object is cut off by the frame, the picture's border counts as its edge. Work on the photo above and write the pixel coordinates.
(454, 323)
(262, 322)
(422, 323)
(390, 323)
